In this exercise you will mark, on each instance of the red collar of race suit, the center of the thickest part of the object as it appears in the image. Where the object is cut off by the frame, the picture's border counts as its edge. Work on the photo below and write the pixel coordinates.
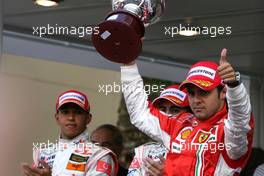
(190, 118)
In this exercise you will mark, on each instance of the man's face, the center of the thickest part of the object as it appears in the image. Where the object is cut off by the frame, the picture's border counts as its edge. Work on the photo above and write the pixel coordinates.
(169, 108)
(72, 120)
(106, 139)
(204, 104)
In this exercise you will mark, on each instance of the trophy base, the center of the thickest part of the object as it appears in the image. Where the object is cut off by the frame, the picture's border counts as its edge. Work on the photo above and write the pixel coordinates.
(119, 37)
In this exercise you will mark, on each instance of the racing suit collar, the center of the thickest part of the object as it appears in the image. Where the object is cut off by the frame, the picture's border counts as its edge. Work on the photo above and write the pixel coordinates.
(81, 138)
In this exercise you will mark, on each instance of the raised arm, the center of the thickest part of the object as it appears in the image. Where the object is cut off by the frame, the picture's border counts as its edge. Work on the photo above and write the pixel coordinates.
(141, 115)
(239, 123)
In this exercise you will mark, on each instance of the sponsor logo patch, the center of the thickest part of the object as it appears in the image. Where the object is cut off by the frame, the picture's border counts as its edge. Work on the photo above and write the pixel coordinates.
(103, 167)
(184, 134)
(75, 166)
(176, 148)
(74, 96)
(205, 136)
(202, 71)
(135, 164)
(203, 83)
(78, 158)
(174, 92)
(201, 137)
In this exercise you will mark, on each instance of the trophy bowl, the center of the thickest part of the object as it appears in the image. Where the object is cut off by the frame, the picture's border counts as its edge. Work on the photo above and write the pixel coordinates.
(120, 34)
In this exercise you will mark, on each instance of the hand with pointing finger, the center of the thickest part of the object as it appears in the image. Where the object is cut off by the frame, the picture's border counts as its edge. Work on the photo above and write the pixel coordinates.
(226, 71)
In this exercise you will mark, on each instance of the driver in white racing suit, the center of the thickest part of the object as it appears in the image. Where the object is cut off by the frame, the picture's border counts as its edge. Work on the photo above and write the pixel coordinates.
(73, 154)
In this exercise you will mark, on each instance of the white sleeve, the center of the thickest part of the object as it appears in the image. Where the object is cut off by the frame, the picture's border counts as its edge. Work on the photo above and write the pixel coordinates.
(137, 105)
(104, 166)
(237, 124)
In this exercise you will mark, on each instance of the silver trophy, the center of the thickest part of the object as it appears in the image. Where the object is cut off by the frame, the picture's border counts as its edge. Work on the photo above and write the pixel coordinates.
(120, 34)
